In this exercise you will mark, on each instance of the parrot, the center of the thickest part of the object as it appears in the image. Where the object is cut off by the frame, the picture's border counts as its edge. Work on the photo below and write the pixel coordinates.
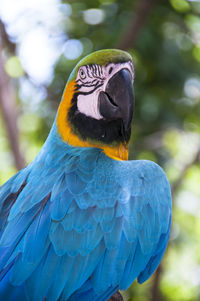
(81, 221)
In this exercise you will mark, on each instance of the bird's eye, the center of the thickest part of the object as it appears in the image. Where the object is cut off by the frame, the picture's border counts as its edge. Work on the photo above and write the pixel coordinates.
(82, 74)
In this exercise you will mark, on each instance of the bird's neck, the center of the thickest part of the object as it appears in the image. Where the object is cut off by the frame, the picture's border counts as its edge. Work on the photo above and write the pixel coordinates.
(57, 157)
(55, 148)
(60, 155)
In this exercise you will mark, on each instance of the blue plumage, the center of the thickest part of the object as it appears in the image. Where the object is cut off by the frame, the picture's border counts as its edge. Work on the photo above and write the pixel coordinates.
(76, 224)
(121, 236)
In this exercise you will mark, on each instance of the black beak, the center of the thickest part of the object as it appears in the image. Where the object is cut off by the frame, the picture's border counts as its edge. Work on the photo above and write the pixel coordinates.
(117, 102)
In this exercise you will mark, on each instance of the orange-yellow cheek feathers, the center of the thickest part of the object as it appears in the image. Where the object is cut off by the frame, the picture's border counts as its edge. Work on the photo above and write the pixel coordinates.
(119, 152)
(63, 125)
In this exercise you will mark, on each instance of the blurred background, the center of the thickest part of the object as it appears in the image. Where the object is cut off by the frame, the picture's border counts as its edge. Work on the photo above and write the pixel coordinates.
(40, 43)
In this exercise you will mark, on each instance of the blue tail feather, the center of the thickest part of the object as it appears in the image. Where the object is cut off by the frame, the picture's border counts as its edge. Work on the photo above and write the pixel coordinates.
(87, 293)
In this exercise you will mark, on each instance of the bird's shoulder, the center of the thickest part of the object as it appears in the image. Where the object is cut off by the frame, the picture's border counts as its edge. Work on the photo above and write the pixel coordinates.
(133, 177)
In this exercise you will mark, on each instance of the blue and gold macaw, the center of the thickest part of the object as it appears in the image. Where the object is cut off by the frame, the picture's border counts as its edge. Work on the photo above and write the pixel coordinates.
(81, 221)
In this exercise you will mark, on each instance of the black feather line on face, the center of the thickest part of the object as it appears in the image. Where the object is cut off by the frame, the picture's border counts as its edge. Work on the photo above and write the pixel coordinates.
(94, 71)
(88, 72)
(103, 131)
(90, 92)
(100, 70)
(95, 83)
(86, 83)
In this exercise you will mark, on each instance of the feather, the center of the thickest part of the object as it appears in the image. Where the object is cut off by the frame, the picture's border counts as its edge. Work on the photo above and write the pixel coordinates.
(85, 200)
(64, 270)
(122, 257)
(113, 237)
(85, 175)
(90, 239)
(88, 160)
(37, 234)
(23, 269)
(83, 219)
(18, 180)
(9, 292)
(87, 293)
(74, 183)
(43, 276)
(72, 283)
(17, 226)
(154, 260)
(66, 241)
(61, 198)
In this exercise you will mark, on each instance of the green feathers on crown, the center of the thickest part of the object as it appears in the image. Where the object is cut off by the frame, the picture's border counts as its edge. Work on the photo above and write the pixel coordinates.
(102, 57)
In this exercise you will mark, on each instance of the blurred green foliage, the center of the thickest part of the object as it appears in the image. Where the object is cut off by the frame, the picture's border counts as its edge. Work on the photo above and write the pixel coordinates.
(166, 126)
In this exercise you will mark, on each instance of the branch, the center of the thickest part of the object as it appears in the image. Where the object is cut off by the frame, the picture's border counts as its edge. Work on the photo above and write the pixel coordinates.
(136, 24)
(9, 111)
(116, 297)
(5, 39)
(156, 294)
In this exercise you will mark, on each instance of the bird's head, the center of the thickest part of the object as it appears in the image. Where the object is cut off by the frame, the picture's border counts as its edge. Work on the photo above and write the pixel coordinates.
(97, 104)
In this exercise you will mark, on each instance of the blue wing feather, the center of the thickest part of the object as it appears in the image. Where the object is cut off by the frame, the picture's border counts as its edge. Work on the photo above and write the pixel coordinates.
(63, 200)
(37, 235)
(43, 276)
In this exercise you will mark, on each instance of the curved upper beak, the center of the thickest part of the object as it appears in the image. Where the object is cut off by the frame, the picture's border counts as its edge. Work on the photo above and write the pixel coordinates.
(117, 102)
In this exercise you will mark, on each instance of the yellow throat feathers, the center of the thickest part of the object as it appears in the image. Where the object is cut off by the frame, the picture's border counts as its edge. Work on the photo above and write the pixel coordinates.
(119, 152)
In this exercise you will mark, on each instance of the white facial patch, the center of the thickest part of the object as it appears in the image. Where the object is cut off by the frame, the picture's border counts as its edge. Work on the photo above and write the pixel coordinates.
(91, 80)
(88, 105)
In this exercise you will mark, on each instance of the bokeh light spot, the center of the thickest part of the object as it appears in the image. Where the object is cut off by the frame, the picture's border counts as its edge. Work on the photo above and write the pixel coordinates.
(13, 67)
(193, 22)
(37, 53)
(196, 53)
(93, 16)
(192, 88)
(72, 49)
(180, 5)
